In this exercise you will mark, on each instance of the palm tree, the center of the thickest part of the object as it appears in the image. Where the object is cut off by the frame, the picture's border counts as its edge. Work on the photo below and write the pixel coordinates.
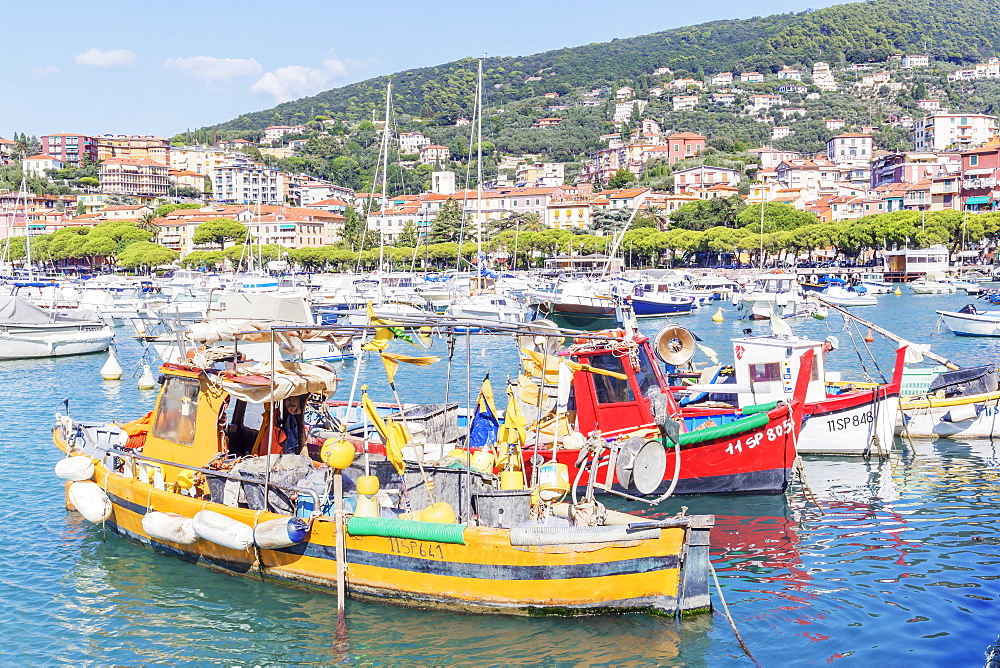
(146, 222)
(659, 217)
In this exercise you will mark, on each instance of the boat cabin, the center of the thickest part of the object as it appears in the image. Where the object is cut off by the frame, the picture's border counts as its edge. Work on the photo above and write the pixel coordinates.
(201, 415)
(774, 283)
(609, 403)
(766, 368)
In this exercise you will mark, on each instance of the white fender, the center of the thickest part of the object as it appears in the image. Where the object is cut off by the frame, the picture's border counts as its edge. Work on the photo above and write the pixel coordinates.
(275, 534)
(77, 467)
(222, 530)
(90, 500)
(170, 527)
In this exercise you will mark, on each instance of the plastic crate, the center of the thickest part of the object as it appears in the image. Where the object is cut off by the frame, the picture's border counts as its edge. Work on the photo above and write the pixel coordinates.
(430, 423)
(917, 380)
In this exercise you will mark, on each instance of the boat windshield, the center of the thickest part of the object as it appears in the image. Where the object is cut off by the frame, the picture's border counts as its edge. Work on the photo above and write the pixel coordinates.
(177, 411)
(610, 390)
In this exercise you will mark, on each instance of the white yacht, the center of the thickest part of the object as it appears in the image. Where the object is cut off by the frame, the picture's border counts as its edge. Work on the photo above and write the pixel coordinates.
(29, 331)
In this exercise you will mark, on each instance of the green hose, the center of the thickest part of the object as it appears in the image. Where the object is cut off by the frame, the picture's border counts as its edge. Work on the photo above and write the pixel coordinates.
(389, 527)
(726, 430)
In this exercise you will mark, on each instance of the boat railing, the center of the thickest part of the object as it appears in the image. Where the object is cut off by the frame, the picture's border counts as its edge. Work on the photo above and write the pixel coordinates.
(121, 452)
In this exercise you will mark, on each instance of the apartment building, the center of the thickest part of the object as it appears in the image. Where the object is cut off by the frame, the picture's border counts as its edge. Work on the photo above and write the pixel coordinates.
(73, 150)
(138, 177)
(136, 147)
(243, 181)
(938, 132)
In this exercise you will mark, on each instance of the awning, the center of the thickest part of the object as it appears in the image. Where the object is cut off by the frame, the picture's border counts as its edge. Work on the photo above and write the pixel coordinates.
(978, 171)
(978, 200)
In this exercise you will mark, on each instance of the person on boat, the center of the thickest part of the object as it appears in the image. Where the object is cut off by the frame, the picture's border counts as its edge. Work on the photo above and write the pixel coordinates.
(830, 344)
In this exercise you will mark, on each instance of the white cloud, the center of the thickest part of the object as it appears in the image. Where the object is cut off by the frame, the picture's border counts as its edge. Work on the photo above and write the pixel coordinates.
(106, 60)
(213, 70)
(46, 70)
(295, 81)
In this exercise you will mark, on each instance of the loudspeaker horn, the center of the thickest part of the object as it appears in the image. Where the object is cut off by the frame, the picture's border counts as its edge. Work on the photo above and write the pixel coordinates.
(546, 340)
(674, 345)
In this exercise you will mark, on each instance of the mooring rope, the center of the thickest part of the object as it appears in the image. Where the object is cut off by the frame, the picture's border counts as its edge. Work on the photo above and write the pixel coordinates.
(732, 623)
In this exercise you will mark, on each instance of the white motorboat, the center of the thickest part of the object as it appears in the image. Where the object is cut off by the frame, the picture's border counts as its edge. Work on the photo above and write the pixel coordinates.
(28, 331)
(922, 286)
(875, 284)
(241, 312)
(969, 287)
(842, 296)
(492, 308)
(963, 404)
(968, 321)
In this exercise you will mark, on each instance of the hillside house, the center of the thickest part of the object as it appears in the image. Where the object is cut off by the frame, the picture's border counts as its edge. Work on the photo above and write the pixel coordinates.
(685, 102)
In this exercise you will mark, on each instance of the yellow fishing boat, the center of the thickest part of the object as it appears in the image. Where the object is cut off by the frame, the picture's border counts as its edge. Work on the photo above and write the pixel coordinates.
(216, 474)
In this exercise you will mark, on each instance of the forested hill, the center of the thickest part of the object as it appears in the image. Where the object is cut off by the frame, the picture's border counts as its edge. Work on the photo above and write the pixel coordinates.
(959, 31)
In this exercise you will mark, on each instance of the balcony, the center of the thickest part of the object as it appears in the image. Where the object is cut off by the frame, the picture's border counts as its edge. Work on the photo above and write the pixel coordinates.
(950, 188)
(974, 184)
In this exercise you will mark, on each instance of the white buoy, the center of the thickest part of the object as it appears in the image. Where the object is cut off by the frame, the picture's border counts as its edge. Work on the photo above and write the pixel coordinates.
(77, 467)
(111, 370)
(146, 380)
(90, 501)
(170, 527)
(222, 530)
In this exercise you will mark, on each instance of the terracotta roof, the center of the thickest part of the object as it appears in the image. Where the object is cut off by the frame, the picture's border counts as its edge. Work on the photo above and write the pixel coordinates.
(42, 156)
(328, 202)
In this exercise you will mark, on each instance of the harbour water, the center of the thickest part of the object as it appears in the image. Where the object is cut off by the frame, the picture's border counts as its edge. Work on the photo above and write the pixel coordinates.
(888, 561)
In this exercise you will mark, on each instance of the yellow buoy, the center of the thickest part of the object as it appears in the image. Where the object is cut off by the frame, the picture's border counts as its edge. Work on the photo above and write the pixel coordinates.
(367, 485)
(367, 507)
(185, 479)
(111, 370)
(337, 453)
(898, 292)
(553, 482)
(511, 480)
(718, 316)
(439, 512)
(482, 460)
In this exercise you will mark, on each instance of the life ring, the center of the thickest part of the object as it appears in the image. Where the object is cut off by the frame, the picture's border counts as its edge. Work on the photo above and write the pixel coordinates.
(204, 284)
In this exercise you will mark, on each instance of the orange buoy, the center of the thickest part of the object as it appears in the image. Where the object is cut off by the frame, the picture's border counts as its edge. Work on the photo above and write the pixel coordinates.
(869, 337)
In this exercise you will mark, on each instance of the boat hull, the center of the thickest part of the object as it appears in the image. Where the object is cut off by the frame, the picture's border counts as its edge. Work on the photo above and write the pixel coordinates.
(967, 324)
(972, 416)
(757, 461)
(862, 423)
(580, 316)
(651, 308)
(485, 575)
(18, 343)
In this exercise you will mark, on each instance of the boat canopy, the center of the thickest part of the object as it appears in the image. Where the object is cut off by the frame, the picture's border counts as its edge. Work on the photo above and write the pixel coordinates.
(291, 379)
(16, 311)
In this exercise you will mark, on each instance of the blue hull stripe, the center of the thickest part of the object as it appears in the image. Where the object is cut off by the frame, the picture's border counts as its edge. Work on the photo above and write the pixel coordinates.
(416, 564)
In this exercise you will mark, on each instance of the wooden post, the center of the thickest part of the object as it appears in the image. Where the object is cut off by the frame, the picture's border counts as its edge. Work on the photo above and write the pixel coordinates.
(694, 594)
(338, 495)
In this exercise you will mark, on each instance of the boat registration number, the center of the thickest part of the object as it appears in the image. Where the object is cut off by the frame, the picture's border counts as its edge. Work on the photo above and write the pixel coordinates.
(855, 420)
(415, 548)
(771, 434)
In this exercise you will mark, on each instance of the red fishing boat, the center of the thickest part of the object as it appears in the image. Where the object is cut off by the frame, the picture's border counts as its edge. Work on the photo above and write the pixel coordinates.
(640, 442)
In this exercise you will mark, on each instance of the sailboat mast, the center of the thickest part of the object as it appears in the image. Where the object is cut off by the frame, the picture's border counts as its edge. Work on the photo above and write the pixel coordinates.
(23, 196)
(762, 234)
(479, 175)
(385, 173)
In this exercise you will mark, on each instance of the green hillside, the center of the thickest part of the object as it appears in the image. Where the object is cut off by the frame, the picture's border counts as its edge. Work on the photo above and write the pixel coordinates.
(956, 31)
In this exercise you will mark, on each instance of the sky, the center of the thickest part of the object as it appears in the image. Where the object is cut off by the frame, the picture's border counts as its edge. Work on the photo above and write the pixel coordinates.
(162, 67)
